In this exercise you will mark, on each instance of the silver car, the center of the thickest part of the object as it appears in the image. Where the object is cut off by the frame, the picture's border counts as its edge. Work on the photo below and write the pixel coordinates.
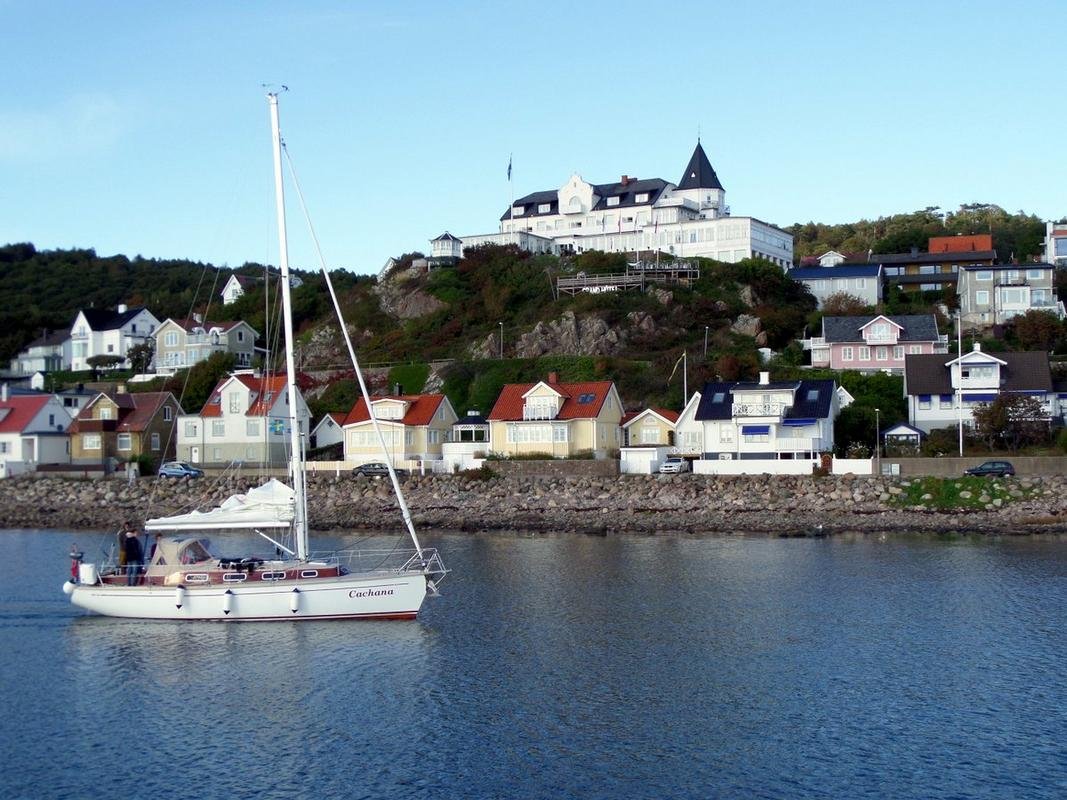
(673, 465)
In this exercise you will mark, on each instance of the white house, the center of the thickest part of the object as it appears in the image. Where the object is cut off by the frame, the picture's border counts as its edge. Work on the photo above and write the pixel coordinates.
(689, 218)
(245, 419)
(329, 430)
(942, 390)
(759, 421)
(33, 430)
(1056, 243)
(181, 343)
(859, 280)
(50, 352)
(97, 332)
(238, 284)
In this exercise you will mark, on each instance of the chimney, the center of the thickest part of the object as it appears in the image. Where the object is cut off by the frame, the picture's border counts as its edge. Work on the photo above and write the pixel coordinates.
(120, 388)
(553, 377)
(764, 378)
(198, 319)
(4, 393)
(122, 308)
(625, 180)
(978, 347)
(398, 389)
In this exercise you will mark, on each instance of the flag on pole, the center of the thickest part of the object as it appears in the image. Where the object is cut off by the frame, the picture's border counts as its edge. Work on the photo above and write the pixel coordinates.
(681, 358)
(509, 168)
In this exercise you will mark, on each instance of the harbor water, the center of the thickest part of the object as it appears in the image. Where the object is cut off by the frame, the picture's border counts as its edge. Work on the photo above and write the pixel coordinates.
(565, 667)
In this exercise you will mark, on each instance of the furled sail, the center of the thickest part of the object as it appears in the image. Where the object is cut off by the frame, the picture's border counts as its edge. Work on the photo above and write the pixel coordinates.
(266, 506)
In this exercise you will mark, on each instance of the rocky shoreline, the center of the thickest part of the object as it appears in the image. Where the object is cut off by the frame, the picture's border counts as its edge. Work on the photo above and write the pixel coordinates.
(690, 505)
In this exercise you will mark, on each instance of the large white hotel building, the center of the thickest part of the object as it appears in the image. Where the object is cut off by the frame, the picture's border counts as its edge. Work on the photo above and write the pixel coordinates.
(686, 219)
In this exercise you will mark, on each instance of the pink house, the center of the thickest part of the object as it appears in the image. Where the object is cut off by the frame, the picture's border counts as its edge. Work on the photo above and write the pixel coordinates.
(874, 343)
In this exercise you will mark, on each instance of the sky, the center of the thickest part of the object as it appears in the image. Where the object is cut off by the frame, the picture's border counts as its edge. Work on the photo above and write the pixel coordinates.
(142, 128)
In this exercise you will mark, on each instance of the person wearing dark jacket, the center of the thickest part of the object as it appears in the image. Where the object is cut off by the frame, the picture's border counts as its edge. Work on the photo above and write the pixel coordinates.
(134, 557)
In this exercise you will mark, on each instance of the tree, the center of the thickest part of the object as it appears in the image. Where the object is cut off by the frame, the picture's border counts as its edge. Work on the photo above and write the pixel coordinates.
(97, 363)
(140, 356)
(1037, 330)
(1011, 420)
(842, 304)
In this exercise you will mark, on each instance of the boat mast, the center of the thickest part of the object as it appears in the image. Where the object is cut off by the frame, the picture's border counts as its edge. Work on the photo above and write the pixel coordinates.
(296, 467)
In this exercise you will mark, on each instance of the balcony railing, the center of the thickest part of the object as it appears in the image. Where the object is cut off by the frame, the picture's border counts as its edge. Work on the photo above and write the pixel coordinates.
(758, 409)
(538, 412)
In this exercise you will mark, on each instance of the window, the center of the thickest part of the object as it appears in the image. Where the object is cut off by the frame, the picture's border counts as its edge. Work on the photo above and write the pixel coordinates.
(125, 441)
(216, 454)
(978, 373)
(914, 349)
(813, 395)
(718, 397)
(252, 427)
(105, 412)
(865, 353)
(91, 441)
(235, 402)
(613, 201)
(882, 353)
(240, 336)
(3, 447)
(757, 438)
(544, 208)
(860, 283)
(983, 275)
(51, 420)
(111, 348)
(649, 434)
(218, 427)
(155, 442)
(190, 430)
(433, 436)
(898, 353)
(168, 413)
(1035, 274)
(726, 433)
(846, 353)
(946, 401)
(171, 339)
(641, 198)
(924, 402)
(518, 210)
(559, 433)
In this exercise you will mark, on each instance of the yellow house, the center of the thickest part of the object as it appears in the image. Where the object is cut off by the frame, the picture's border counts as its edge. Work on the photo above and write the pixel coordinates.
(653, 426)
(123, 426)
(559, 420)
(414, 426)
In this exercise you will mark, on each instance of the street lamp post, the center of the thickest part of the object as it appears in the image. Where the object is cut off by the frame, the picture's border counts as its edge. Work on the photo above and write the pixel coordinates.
(878, 441)
(705, 341)
(501, 340)
(959, 377)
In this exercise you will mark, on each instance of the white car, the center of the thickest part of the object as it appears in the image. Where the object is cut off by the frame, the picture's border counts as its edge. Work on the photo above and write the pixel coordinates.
(673, 465)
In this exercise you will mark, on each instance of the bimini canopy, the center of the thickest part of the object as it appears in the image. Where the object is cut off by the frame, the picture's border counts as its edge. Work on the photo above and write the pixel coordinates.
(266, 506)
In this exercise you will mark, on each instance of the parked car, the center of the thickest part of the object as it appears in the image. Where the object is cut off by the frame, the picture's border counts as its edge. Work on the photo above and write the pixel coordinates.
(673, 465)
(997, 468)
(179, 469)
(378, 469)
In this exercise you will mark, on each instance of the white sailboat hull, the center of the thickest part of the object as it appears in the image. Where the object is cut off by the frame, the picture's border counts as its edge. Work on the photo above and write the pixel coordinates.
(346, 597)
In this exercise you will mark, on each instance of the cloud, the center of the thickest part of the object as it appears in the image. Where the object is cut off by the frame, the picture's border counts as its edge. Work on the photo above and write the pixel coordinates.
(77, 126)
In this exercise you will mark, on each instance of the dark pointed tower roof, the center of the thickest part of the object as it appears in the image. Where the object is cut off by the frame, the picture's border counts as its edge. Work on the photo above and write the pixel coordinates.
(699, 173)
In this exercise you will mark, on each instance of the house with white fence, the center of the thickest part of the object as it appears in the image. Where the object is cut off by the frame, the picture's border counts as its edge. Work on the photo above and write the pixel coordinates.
(414, 427)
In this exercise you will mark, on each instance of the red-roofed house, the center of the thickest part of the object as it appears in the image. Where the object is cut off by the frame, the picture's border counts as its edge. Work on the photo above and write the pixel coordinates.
(329, 429)
(653, 426)
(180, 343)
(557, 419)
(245, 419)
(122, 426)
(414, 426)
(33, 430)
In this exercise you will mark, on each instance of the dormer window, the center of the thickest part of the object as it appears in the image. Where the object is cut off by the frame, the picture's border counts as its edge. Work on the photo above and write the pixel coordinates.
(641, 198)
(544, 208)
(518, 211)
(613, 201)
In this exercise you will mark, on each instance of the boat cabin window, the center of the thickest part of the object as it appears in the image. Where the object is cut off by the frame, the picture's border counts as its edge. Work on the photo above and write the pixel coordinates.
(195, 551)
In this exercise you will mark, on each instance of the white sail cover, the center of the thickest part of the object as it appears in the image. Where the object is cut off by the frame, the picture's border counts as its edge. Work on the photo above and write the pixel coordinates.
(266, 506)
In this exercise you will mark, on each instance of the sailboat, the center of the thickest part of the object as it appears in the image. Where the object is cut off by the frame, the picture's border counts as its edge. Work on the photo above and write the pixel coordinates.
(184, 580)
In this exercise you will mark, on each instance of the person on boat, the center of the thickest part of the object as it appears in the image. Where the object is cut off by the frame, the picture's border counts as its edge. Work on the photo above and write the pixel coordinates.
(155, 546)
(120, 542)
(134, 557)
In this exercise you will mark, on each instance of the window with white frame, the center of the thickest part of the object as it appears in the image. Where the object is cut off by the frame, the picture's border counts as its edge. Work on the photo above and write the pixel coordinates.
(190, 429)
(898, 353)
(155, 442)
(544, 208)
(613, 201)
(641, 198)
(124, 442)
(846, 353)
(924, 402)
(882, 353)
(168, 413)
(914, 349)
(865, 353)
(240, 336)
(171, 339)
(946, 401)
(726, 433)
(1035, 274)
(105, 412)
(757, 438)
(252, 427)
(981, 298)
(691, 439)
(860, 283)
(216, 454)
(235, 402)
(218, 427)
(559, 433)
(983, 275)
(91, 441)
(649, 434)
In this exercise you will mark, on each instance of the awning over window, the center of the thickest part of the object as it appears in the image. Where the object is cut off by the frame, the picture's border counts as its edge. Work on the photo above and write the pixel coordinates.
(755, 430)
(979, 398)
(924, 398)
(799, 423)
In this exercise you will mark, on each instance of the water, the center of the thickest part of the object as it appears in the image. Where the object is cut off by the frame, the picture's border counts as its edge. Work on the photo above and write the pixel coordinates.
(558, 667)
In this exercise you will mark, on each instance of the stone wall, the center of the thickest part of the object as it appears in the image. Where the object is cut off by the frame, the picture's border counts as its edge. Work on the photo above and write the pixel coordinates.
(951, 466)
(557, 468)
(627, 504)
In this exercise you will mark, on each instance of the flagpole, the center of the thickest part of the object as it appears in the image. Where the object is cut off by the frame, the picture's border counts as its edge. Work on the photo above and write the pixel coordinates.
(685, 380)
(511, 187)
